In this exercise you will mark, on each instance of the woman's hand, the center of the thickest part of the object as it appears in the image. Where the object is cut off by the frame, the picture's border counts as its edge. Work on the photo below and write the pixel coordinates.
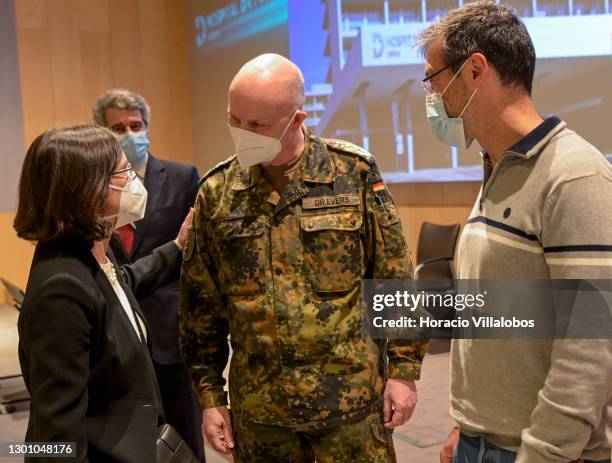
(184, 231)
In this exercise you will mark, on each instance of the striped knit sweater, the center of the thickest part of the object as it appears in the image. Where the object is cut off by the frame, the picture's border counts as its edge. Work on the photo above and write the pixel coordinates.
(544, 211)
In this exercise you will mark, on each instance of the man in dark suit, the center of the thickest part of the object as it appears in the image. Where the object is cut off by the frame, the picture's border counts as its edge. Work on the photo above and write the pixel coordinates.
(171, 188)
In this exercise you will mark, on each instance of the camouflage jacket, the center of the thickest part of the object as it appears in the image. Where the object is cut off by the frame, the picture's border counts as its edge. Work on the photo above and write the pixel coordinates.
(281, 274)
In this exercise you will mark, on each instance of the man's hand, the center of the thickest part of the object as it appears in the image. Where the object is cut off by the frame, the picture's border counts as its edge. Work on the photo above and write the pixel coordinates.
(448, 449)
(400, 399)
(217, 427)
(184, 231)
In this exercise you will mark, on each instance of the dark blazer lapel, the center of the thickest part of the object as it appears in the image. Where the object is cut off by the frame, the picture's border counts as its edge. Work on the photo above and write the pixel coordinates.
(112, 301)
(155, 176)
(134, 303)
(130, 297)
(110, 297)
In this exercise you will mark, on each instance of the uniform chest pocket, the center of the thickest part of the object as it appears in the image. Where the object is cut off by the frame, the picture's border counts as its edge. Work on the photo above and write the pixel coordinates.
(332, 250)
(242, 245)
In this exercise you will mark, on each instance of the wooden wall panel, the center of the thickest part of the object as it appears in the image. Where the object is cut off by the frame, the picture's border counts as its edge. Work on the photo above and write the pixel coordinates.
(443, 203)
(435, 194)
(95, 50)
(180, 78)
(94, 16)
(16, 256)
(38, 103)
(413, 217)
(126, 47)
(154, 25)
(66, 69)
(71, 51)
(31, 14)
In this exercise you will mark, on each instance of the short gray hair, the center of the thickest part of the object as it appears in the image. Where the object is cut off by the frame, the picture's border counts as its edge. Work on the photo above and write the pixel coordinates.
(122, 99)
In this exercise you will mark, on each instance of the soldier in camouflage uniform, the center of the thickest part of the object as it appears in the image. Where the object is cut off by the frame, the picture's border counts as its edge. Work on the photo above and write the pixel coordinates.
(281, 272)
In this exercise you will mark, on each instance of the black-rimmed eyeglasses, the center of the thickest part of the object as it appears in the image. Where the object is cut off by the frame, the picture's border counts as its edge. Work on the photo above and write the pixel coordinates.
(426, 82)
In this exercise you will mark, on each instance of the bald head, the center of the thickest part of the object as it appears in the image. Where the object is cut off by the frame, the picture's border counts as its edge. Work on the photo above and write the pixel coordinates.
(272, 80)
(266, 98)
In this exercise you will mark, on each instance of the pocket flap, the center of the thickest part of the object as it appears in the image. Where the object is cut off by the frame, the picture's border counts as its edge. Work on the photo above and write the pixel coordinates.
(387, 216)
(377, 428)
(244, 226)
(346, 221)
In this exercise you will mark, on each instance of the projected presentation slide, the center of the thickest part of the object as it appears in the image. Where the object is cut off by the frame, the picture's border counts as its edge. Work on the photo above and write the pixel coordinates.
(363, 72)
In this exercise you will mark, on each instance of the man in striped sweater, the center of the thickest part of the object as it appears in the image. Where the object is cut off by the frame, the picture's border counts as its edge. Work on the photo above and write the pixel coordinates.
(544, 212)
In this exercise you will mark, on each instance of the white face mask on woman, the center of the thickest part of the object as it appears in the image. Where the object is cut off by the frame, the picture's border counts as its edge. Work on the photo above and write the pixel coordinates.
(132, 203)
(253, 148)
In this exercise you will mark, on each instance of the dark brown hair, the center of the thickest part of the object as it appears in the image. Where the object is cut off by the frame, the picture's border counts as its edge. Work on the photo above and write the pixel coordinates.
(64, 184)
(488, 28)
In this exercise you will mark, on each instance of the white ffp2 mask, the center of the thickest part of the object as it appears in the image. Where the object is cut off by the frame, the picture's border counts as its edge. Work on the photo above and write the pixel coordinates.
(132, 203)
(253, 148)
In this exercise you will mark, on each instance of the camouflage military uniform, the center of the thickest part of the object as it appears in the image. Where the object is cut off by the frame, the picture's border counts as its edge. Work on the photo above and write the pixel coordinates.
(363, 441)
(281, 273)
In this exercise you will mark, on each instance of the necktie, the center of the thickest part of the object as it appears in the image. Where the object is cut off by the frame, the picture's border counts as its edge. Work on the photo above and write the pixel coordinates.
(126, 235)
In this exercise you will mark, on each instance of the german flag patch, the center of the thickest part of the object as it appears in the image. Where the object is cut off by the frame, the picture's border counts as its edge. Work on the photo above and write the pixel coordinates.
(379, 185)
(379, 189)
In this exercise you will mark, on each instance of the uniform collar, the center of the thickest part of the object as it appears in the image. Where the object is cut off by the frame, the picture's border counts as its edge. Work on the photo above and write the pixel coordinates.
(318, 166)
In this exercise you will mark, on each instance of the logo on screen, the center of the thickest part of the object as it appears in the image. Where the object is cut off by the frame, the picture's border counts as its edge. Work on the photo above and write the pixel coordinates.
(378, 45)
(201, 30)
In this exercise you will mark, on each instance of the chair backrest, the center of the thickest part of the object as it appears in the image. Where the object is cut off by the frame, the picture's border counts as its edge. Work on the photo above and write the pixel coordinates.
(437, 241)
(16, 293)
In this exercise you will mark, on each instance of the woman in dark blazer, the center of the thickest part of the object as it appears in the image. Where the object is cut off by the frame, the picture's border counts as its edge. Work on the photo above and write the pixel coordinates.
(83, 344)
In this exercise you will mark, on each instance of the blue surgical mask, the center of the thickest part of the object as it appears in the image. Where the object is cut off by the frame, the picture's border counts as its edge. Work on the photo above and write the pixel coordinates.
(135, 146)
(448, 130)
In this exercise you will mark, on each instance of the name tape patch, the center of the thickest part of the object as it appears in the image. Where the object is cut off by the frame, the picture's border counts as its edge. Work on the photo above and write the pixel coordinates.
(330, 201)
